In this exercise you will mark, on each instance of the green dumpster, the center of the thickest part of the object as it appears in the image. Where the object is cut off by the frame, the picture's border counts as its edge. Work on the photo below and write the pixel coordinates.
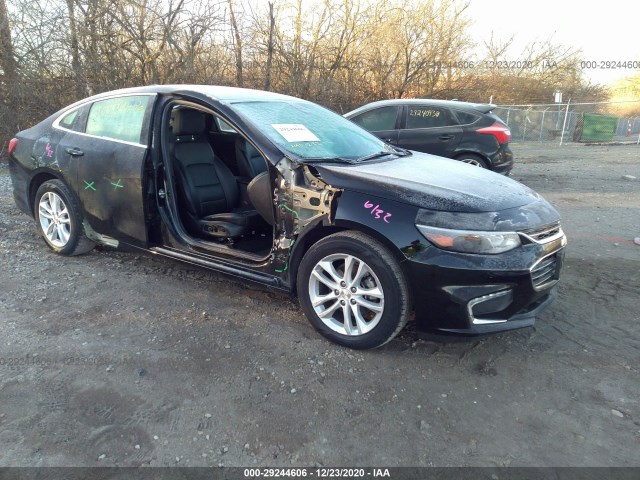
(592, 127)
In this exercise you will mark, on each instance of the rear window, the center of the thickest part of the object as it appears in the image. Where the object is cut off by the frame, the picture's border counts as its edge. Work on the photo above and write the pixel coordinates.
(465, 118)
(496, 118)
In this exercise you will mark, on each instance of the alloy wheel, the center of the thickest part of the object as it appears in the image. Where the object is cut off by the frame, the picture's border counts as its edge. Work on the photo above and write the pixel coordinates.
(54, 219)
(472, 161)
(346, 294)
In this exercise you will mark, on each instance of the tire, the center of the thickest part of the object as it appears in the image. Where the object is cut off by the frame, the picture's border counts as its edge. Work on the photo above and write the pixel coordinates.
(59, 220)
(473, 159)
(371, 268)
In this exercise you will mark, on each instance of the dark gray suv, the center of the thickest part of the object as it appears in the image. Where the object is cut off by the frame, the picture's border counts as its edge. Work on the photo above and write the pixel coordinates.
(469, 132)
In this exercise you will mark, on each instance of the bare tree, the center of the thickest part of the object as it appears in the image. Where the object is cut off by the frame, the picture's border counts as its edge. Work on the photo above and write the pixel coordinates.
(340, 53)
(9, 78)
(76, 64)
(272, 26)
(237, 45)
(7, 59)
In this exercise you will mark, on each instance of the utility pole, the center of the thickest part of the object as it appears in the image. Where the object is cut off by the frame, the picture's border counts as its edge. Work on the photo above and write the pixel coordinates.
(564, 124)
(557, 98)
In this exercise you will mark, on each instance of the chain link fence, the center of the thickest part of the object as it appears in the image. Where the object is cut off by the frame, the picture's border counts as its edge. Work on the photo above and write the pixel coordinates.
(603, 122)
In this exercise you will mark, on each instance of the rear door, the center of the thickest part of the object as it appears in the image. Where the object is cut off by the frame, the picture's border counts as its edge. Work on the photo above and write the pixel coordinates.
(429, 129)
(108, 155)
(383, 122)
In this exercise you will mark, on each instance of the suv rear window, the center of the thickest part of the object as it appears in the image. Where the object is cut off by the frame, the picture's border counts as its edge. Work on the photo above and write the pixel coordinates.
(466, 118)
(496, 118)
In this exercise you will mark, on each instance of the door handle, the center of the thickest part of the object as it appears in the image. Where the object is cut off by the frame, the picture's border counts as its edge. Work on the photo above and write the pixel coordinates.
(388, 140)
(74, 152)
(445, 137)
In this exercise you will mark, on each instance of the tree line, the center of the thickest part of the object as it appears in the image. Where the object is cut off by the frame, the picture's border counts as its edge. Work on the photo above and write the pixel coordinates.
(339, 53)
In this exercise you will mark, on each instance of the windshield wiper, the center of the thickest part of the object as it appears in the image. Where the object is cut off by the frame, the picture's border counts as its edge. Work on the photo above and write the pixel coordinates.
(403, 152)
(327, 160)
(375, 155)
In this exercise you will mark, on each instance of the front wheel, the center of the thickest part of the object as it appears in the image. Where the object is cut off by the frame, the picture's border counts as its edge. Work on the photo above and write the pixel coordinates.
(353, 291)
(59, 219)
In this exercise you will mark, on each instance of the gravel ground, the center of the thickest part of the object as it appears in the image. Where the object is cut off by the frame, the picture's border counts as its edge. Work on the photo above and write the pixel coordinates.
(121, 359)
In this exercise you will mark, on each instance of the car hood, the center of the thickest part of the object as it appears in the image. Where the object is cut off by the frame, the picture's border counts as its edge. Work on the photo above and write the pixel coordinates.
(431, 182)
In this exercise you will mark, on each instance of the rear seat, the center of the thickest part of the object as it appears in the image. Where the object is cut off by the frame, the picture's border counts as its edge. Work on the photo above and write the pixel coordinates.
(250, 162)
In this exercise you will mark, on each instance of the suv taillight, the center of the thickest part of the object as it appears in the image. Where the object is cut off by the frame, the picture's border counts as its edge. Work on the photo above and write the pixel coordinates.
(498, 130)
(13, 143)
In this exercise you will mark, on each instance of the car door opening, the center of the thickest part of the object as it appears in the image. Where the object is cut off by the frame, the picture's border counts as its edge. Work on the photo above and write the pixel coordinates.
(212, 172)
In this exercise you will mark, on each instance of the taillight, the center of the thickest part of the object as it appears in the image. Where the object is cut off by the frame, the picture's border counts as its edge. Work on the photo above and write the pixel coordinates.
(13, 143)
(498, 130)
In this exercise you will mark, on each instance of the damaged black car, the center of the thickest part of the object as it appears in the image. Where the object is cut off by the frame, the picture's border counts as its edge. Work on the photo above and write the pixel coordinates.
(286, 193)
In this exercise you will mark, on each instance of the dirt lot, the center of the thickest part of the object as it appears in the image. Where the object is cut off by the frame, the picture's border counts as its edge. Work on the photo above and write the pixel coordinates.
(123, 359)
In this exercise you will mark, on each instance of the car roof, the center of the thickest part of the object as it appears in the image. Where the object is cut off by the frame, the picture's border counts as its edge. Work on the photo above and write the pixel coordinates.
(214, 92)
(481, 107)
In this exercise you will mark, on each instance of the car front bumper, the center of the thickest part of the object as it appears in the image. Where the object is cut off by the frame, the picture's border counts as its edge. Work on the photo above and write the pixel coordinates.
(463, 294)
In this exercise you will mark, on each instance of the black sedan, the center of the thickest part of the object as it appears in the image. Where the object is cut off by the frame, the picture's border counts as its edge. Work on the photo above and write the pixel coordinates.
(288, 194)
(469, 132)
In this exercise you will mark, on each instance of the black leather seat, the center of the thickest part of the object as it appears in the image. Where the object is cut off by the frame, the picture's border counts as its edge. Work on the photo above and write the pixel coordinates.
(208, 193)
(250, 162)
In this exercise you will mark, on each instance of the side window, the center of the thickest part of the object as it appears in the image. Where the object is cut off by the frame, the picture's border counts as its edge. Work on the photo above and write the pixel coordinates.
(74, 120)
(383, 118)
(119, 118)
(69, 120)
(466, 118)
(420, 116)
(224, 126)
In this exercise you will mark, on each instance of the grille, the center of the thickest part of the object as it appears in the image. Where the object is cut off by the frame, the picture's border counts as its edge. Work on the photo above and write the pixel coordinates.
(545, 271)
(540, 234)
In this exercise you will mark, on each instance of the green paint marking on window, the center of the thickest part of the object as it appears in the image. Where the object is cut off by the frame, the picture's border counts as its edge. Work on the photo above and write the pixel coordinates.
(89, 185)
(118, 184)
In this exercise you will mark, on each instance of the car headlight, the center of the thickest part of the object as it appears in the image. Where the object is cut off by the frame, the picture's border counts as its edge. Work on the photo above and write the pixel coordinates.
(469, 241)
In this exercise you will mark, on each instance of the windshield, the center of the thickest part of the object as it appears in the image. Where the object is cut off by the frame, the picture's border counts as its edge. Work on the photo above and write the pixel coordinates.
(310, 131)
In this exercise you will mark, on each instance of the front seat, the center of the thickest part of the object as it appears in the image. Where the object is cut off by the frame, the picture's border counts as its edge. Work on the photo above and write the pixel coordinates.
(208, 194)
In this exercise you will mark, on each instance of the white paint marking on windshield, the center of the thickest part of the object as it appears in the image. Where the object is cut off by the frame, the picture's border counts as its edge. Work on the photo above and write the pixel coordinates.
(295, 132)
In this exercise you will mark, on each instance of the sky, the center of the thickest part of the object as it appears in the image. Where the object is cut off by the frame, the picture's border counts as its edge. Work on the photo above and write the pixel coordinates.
(604, 31)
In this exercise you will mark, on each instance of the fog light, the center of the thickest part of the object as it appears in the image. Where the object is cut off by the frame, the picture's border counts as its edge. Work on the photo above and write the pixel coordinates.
(488, 304)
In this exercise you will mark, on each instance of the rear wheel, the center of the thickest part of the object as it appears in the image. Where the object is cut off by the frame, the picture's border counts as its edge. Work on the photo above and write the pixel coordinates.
(472, 159)
(59, 220)
(353, 290)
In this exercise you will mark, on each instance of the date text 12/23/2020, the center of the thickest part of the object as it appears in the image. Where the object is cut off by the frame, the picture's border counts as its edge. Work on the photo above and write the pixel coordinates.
(324, 472)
